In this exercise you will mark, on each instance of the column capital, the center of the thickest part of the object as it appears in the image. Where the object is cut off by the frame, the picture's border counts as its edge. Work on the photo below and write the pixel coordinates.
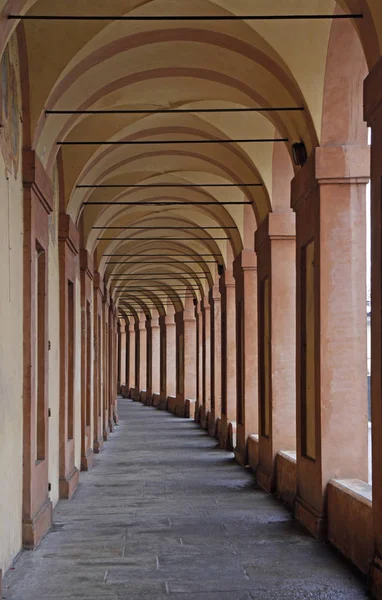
(214, 293)
(169, 320)
(276, 226)
(86, 263)
(132, 327)
(206, 304)
(122, 326)
(246, 261)
(227, 281)
(331, 165)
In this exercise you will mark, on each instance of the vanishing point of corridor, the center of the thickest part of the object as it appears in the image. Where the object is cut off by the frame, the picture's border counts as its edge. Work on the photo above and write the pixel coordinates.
(165, 513)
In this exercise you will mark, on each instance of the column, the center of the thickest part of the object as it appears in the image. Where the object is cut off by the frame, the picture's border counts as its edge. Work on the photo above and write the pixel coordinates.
(122, 361)
(170, 356)
(106, 365)
(245, 273)
(98, 364)
(228, 364)
(68, 260)
(186, 359)
(132, 345)
(199, 409)
(86, 279)
(155, 355)
(276, 268)
(142, 381)
(328, 195)
(206, 343)
(36, 505)
(216, 377)
(373, 115)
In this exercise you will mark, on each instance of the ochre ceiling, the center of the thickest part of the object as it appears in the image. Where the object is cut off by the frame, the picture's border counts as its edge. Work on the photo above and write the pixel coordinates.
(187, 65)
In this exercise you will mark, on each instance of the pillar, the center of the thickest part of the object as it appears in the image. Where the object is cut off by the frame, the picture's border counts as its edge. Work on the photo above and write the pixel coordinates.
(228, 359)
(206, 344)
(328, 196)
(132, 351)
(276, 269)
(142, 372)
(123, 348)
(155, 355)
(37, 507)
(170, 356)
(186, 357)
(106, 365)
(68, 259)
(245, 273)
(98, 364)
(199, 362)
(216, 377)
(373, 116)
(86, 281)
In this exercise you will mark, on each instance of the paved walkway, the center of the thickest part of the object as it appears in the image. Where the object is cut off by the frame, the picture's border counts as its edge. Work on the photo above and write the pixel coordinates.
(166, 515)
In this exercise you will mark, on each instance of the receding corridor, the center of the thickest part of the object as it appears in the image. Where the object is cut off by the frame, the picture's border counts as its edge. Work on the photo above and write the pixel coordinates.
(165, 513)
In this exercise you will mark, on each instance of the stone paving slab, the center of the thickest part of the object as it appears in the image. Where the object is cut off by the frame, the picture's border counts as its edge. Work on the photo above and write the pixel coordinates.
(165, 514)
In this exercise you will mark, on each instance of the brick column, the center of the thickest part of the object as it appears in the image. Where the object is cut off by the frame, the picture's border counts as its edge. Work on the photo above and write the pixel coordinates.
(132, 368)
(37, 507)
(68, 257)
(106, 364)
(216, 377)
(276, 267)
(98, 364)
(228, 356)
(245, 273)
(373, 116)
(328, 195)
(86, 279)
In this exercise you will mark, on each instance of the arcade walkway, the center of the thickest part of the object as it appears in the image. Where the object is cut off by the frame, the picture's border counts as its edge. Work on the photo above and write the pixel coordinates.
(164, 514)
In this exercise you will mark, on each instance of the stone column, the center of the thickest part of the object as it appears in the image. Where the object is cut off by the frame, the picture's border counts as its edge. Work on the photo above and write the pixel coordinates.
(328, 195)
(216, 377)
(206, 339)
(170, 356)
(142, 353)
(155, 355)
(199, 361)
(276, 266)
(245, 273)
(186, 359)
(98, 364)
(132, 370)
(228, 356)
(122, 362)
(106, 365)
(87, 333)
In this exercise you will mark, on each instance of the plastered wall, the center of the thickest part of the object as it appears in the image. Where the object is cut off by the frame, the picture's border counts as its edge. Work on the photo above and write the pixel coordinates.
(11, 311)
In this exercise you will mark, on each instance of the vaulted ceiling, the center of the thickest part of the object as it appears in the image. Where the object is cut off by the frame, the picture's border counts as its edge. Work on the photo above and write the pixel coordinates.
(184, 65)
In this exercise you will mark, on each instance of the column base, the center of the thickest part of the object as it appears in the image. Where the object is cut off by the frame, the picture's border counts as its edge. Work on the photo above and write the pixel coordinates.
(310, 518)
(156, 400)
(106, 435)
(34, 529)
(87, 461)
(189, 409)
(212, 425)
(198, 409)
(375, 578)
(265, 479)
(204, 423)
(69, 485)
(241, 457)
(98, 446)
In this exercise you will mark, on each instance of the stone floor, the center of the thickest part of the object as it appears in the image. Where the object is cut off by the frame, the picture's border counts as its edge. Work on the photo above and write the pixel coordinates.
(165, 514)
